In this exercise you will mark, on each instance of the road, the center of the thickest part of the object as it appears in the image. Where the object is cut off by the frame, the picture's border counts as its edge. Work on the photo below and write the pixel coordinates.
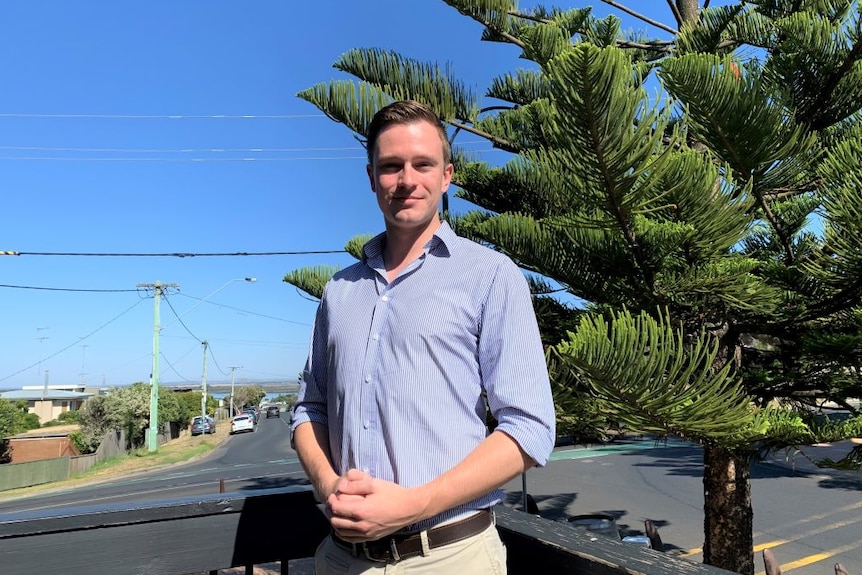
(246, 461)
(810, 518)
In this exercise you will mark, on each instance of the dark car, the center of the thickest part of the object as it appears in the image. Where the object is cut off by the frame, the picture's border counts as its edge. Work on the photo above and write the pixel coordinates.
(200, 426)
(253, 412)
(273, 411)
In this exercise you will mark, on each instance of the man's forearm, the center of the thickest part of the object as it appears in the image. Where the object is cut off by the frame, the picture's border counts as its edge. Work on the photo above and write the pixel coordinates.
(495, 461)
(311, 441)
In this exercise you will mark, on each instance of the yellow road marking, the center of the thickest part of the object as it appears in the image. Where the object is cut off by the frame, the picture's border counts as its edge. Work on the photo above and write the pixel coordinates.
(815, 558)
(769, 545)
(810, 518)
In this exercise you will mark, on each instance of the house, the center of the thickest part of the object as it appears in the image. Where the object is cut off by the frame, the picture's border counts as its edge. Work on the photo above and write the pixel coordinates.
(49, 402)
(43, 443)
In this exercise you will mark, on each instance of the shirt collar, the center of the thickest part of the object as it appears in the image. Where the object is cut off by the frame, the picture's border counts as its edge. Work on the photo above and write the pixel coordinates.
(441, 244)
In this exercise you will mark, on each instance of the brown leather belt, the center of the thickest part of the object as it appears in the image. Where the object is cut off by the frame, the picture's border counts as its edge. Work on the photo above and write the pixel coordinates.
(397, 547)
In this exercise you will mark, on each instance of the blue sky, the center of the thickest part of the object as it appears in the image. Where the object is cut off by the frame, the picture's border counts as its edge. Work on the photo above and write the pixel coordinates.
(110, 142)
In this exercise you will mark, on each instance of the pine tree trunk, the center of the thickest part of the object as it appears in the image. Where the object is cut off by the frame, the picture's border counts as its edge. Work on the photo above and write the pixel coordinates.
(727, 510)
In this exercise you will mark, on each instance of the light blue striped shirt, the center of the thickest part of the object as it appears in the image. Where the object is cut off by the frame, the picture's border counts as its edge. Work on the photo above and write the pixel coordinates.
(396, 370)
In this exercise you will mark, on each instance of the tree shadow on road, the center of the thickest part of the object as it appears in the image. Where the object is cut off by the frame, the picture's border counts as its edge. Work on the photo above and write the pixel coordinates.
(255, 483)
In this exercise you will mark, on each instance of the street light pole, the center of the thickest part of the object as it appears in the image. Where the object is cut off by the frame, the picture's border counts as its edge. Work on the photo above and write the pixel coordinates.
(233, 369)
(205, 298)
(204, 390)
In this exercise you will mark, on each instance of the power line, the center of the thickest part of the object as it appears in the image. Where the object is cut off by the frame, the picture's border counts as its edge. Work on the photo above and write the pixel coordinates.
(165, 117)
(170, 305)
(244, 310)
(71, 345)
(171, 254)
(69, 289)
(196, 150)
(176, 160)
(210, 349)
(178, 150)
(181, 376)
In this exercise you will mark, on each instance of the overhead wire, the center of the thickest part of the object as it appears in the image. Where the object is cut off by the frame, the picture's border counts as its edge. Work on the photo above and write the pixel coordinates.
(164, 116)
(68, 289)
(243, 310)
(181, 376)
(218, 367)
(176, 315)
(171, 254)
(101, 327)
(178, 160)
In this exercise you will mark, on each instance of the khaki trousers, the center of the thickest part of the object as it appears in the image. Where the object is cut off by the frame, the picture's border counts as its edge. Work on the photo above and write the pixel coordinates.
(482, 554)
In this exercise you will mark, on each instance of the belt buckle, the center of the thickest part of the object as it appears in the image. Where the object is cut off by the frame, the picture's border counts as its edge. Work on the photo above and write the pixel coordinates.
(393, 550)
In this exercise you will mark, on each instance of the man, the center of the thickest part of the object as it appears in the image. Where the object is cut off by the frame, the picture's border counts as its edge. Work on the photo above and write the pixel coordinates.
(408, 345)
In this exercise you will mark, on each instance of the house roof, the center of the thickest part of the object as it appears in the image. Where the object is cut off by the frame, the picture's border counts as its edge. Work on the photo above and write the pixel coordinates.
(38, 395)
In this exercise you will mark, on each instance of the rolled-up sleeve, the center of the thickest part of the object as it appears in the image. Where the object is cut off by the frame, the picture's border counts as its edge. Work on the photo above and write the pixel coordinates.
(311, 404)
(512, 363)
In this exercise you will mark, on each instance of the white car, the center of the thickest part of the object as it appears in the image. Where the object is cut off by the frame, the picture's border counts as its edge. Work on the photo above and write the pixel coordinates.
(242, 422)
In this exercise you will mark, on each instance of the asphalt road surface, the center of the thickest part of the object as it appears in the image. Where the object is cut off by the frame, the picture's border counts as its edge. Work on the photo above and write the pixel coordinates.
(810, 518)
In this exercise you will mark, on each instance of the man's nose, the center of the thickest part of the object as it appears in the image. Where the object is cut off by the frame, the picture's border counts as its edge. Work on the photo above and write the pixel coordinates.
(407, 176)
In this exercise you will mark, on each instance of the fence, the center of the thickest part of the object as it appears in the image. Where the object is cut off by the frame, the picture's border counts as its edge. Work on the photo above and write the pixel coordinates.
(17, 475)
(201, 534)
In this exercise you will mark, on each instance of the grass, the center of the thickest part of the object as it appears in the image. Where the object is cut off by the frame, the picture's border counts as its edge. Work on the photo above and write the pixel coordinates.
(180, 450)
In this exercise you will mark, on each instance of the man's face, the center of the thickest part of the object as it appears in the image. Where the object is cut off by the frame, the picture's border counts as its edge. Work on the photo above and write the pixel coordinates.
(408, 174)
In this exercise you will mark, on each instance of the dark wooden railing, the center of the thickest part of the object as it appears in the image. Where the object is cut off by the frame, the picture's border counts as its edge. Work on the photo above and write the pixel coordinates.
(195, 535)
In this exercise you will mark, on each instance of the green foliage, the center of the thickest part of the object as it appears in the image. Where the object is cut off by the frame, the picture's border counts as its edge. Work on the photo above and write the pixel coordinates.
(646, 376)
(29, 420)
(248, 396)
(288, 399)
(77, 439)
(8, 426)
(65, 418)
(128, 409)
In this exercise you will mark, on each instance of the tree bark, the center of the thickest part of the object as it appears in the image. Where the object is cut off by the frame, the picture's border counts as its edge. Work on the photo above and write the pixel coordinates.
(728, 517)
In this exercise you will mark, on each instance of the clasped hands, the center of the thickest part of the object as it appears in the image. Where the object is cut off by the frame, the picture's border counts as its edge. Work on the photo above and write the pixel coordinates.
(363, 508)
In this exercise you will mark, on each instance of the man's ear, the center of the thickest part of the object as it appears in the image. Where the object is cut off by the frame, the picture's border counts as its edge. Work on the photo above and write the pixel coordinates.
(369, 169)
(448, 172)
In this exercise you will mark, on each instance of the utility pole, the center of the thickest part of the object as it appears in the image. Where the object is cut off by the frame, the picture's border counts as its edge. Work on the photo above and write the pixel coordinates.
(204, 389)
(153, 432)
(233, 369)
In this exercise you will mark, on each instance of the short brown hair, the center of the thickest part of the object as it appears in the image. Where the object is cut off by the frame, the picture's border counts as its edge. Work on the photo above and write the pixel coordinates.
(404, 112)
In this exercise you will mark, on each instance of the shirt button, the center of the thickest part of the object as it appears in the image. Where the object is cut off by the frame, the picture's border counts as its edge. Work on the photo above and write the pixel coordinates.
(375, 337)
(366, 470)
(385, 298)
(365, 425)
(367, 379)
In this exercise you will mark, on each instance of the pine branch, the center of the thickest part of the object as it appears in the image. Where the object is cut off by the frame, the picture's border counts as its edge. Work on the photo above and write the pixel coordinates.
(676, 15)
(498, 142)
(642, 17)
(832, 83)
(783, 235)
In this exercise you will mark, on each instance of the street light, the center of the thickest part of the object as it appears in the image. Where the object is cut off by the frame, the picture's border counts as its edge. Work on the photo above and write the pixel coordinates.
(205, 298)
(205, 346)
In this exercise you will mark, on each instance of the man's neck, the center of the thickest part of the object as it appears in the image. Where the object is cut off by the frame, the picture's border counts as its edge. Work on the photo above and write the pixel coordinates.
(403, 246)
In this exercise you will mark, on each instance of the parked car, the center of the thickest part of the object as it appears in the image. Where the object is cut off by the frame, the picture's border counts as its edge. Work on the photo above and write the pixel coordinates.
(273, 411)
(200, 426)
(242, 422)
